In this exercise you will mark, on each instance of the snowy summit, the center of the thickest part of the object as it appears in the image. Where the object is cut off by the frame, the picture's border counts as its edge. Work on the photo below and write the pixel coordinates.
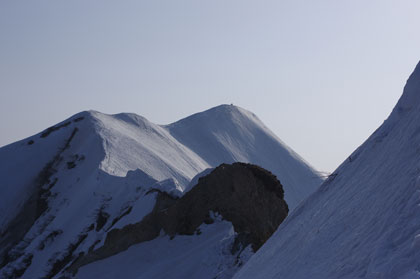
(65, 188)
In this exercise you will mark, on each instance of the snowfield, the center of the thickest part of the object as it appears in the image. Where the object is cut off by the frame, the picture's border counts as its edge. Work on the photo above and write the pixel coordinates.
(364, 221)
(95, 171)
(207, 255)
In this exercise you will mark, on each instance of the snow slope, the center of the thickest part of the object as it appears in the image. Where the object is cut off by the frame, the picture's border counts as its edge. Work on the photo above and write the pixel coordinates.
(364, 221)
(207, 255)
(227, 134)
(95, 170)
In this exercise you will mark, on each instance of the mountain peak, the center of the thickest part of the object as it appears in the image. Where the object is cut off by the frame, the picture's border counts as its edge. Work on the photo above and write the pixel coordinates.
(103, 167)
(217, 114)
(226, 108)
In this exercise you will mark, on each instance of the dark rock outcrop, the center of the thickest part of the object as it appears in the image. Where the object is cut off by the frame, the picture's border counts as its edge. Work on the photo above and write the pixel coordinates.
(48, 131)
(248, 196)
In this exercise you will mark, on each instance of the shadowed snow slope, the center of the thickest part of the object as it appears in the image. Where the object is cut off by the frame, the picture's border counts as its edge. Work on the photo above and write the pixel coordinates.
(364, 221)
(63, 189)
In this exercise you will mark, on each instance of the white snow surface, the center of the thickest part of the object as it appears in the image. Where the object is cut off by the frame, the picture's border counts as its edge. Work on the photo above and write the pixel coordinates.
(205, 256)
(118, 159)
(227, 134)
(364, 221)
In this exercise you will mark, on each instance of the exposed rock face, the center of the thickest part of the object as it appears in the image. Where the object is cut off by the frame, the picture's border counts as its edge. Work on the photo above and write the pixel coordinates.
(248, 196)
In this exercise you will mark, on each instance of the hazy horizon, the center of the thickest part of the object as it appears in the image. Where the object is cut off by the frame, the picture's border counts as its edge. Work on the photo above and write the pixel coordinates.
(322, 76)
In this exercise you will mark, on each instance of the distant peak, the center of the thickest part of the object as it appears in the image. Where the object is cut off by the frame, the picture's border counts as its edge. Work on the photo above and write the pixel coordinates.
(221, 109)
(129, 118)
(225, 106)
(229, 107)
(225, 111)
(132, 118)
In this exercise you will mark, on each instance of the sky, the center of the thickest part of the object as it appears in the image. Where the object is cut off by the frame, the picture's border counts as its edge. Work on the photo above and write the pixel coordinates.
(322, 75)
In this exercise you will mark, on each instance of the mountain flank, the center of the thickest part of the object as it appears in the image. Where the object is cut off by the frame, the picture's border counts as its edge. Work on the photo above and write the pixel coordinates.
(80, 184)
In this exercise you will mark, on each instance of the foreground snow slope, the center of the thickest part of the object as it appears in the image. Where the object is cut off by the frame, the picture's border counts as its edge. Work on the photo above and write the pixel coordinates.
(207, 255)
(63, 189)
(364, 221)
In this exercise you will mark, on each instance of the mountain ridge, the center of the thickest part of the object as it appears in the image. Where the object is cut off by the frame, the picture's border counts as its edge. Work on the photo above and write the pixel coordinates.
(94, 169)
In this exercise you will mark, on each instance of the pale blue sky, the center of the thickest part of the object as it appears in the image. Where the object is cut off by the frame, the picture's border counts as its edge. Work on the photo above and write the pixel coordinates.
(323, 75)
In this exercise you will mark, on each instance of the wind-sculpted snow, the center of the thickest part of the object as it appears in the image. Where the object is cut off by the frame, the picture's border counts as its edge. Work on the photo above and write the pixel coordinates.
(227, 134)
(364, 221)
(65, 188)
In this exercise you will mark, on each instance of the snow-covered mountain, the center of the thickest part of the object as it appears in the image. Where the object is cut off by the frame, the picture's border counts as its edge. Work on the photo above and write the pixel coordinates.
(364, 221)
(65, 188)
